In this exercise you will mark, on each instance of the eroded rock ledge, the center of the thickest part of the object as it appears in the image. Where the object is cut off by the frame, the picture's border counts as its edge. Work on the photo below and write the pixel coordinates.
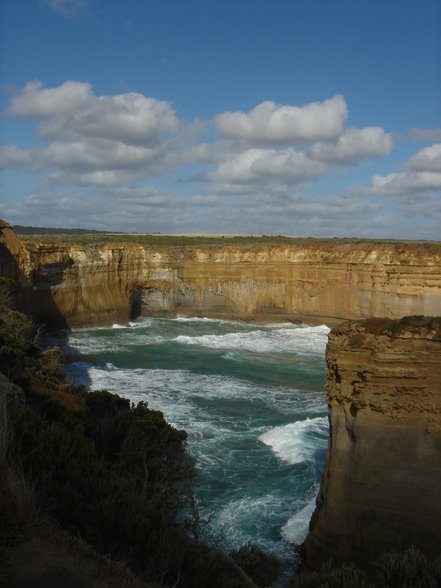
(382, 479)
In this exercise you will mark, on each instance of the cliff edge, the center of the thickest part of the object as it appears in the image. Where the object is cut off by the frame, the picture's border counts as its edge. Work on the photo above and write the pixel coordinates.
(381, 484)
(91, 281)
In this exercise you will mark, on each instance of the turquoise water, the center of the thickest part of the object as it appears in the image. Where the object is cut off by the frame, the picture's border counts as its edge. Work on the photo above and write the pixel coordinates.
(251, 398)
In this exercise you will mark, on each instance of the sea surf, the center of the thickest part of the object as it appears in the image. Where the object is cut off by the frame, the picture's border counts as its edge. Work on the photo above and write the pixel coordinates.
(252, 400)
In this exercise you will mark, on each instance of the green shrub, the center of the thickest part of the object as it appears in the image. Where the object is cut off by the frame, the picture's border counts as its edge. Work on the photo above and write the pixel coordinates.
(398, 569)
(407, 569)
(261, 567)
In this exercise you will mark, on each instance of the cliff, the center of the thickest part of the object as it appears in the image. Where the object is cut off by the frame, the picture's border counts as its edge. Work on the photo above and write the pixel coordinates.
(381, 483)
(310, 280)
(380, 487)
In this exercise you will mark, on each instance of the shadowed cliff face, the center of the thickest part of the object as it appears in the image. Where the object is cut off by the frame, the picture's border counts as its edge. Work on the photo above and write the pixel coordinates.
(313, 281)
(381, 484)
(34, 288)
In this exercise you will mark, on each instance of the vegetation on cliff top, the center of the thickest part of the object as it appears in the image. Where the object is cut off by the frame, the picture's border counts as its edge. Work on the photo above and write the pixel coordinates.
(97, 239)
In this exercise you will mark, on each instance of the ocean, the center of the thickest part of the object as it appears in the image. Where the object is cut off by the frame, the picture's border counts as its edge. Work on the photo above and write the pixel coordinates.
(252, 400)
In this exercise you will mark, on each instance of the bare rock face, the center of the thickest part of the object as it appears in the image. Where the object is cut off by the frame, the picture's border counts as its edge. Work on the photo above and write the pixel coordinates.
(309, 280)
(381, 486)
(14, 257)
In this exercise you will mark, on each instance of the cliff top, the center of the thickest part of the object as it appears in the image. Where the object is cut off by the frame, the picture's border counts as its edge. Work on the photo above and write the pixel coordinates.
(98, 240)
(428, 326)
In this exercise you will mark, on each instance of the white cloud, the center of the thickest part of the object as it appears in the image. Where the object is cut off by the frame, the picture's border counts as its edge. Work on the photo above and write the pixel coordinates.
(13, 157)
(34, 101)
(428, 159)
(354, 145)
(93, 153)
(130, 118)
(67, 8)
(255, 165)
(422, 174)
(142, 208)
(98, 140)
(281, 124)
(406, 183)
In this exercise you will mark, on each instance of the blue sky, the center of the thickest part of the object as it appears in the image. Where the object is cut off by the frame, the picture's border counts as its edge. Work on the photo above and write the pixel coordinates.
(319, 118)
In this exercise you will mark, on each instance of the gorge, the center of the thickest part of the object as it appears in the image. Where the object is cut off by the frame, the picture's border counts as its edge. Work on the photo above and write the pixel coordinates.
(383, 374)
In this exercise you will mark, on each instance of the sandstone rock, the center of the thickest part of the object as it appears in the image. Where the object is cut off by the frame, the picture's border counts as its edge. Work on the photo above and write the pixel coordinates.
(309, 280)
(382, 479)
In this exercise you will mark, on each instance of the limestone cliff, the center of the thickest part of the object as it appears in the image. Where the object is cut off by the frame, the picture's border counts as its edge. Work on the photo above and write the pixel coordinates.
(14, 256)
(382, 478)
(309, 280)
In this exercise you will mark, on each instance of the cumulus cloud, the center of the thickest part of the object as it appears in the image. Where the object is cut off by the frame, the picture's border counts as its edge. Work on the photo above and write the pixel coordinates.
(428, 159)
(130, 118)
(405, 183)
(121, 139)
(256, 165)
(94, 153)
(34, 101)
(100, 139)
(354, 145)
(422, 173)
(13, 157)
(281, 124)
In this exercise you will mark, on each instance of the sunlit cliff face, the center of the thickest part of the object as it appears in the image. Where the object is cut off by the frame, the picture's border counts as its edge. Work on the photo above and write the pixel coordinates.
(311, 281)
(380, 486)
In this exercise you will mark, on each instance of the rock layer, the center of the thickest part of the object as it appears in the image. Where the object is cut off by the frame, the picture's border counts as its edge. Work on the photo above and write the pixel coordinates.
(382, 479)
(309, 280)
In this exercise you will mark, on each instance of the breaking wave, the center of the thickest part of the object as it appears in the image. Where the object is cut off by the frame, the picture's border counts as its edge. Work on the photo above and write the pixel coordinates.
(299, 441)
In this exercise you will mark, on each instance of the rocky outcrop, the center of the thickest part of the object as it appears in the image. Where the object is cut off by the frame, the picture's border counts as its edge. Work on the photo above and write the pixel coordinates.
(309, 280)
(14, 256)
(382, 479)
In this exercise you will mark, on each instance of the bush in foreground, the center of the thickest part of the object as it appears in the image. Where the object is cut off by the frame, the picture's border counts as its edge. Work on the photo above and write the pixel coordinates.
(397, 569)
(261, 567)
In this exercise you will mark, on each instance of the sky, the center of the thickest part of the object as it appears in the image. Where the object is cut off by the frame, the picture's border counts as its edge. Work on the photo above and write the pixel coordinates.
(313, 118)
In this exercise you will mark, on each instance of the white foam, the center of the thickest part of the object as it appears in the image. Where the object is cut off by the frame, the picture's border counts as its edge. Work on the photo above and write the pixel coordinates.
(199, 319)
(282, 339)
(117, 326)
(296, 529)
(297, 442)
(237, 514)
(169, 390)
(232, 356)
(226, 411)
(142, 321)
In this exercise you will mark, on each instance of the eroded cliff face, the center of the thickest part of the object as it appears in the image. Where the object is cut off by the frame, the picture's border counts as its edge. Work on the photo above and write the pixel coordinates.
(14, 256)
(309, 280)
(382, 479)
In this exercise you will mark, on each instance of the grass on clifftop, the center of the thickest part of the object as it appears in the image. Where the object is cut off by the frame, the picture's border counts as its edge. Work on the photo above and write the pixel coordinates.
(95, 240)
